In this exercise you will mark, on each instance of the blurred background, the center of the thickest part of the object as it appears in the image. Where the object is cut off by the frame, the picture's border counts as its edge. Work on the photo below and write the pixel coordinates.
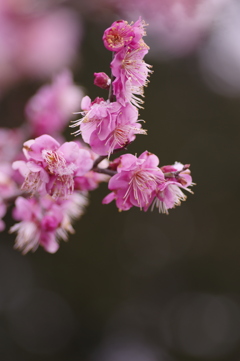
(133, 286)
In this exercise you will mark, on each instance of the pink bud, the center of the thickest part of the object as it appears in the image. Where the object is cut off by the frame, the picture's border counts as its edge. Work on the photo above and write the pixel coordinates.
(102, 80)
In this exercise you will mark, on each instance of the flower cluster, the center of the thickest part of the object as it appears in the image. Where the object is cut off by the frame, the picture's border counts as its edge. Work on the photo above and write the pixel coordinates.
(44, 221)
(58, 174)
(141, 183)
(50, 180)
(109, 125)
(51, 168)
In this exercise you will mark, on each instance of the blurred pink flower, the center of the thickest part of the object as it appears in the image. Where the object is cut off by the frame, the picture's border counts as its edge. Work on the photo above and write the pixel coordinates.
(49, 42)
(35, 41)
(220, 55)
(8, 190)
(51, 108)
(45, 221)
(10, 143)
(176, 27)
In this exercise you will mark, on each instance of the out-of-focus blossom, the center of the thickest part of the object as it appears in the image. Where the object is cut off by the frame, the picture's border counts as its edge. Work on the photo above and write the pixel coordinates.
(220, 55)
(49, 42)
(35, 41)
(45, 221)
(8, 189)
(7, 186)
(3, 210)
(51, 108)
(177, 27)
(51, 168)
(10, 143)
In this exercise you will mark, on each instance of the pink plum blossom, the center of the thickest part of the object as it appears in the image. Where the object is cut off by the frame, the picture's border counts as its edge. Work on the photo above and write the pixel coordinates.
(90, 180)
(177, 177)
(139, 32)
(51, 108)
(108, 126)
(51, 168)
(44, 221)
(123, 133)
(128, 67)
(10, 143)
(177, 27)
(8, 190)
(178, 173)
(129, 64)
(96, 114)
(121, 34)
(140, 182)
(137, 179)
(59, 176)
(118, 35)
(8, 187)
(131, 75)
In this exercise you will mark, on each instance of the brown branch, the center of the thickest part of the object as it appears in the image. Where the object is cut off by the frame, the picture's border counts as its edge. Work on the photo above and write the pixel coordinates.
(176, 174)
(111, 96)
(98, 160)
(104, 171)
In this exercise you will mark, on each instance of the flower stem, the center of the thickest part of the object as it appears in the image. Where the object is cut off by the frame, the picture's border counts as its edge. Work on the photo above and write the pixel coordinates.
(175, 174)
(104, 171)
(111, 96)
(98, 160)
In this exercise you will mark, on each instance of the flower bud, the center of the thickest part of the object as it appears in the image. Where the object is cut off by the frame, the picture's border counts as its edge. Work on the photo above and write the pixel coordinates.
(102, 80)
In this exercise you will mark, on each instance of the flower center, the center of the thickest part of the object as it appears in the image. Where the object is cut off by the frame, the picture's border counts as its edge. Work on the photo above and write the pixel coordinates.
(56, 164)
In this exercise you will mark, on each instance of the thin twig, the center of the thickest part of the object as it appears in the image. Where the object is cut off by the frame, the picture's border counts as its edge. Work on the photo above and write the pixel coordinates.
(104, 171)
(176, 174)
(111, 96)
(98, 160)
(11, 199)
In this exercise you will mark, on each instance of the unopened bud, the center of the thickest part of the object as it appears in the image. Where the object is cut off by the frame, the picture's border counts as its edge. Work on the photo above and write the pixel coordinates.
(102, 80)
